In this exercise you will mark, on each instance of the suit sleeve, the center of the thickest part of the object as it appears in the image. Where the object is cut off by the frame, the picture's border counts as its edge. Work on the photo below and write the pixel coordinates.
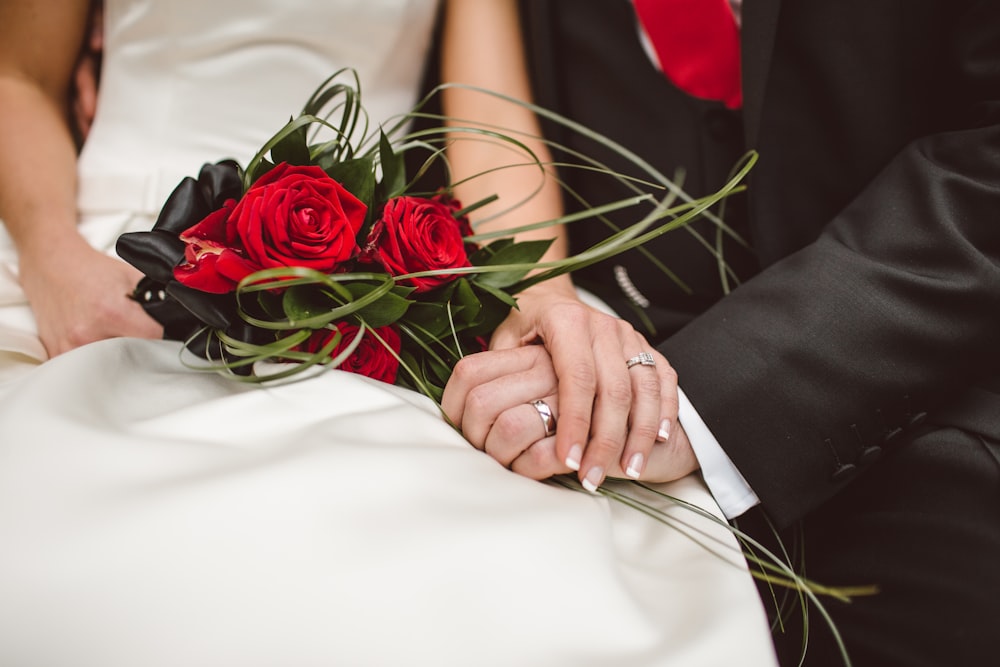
(806, 372)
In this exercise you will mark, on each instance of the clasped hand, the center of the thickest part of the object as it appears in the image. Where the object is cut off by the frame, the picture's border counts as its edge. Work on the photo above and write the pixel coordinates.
(612, 420)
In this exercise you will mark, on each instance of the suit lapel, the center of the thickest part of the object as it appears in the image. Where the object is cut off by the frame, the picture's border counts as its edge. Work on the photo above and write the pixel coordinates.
(760, 22)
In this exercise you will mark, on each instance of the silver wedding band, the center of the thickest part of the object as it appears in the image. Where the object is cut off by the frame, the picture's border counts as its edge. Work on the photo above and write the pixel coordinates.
(548, 419)
(641, 359)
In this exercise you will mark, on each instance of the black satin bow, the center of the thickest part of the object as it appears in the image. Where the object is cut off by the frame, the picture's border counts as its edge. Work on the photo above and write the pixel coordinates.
(183, 311)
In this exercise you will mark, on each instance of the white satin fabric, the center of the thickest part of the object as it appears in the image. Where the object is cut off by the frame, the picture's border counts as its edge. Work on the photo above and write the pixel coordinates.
(152, 515)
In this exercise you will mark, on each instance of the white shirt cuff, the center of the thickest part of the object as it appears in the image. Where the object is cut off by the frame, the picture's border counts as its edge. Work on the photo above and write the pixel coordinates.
(724, 481)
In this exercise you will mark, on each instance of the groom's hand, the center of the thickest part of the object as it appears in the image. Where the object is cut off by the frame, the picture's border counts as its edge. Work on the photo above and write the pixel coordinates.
(488, 397)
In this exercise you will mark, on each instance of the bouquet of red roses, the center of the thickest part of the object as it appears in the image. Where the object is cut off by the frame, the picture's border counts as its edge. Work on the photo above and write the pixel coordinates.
(328, 253)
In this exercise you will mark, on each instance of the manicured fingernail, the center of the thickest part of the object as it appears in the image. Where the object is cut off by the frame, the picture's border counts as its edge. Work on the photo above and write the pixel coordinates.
(574, 456)
(593, 479)
(664, 431)
(634, 466)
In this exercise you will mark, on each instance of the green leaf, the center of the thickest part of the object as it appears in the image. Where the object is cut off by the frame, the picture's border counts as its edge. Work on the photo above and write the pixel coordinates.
(393, 170)
(496, 306)
(357, 176)
(305, 301)
(522, 252)
(476, 205)
(435, 370)
(386, 310)
(271, 304)
(430, 317)
(521, 257)
(422, 383)
(506, 299)
(466, 305)
(292, 148)
(482, 256)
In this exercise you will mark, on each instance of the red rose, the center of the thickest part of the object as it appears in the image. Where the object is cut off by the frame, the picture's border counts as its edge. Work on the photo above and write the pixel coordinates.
(292, 216)
(210, 265)
(417, 234)
(464, 226)
(370, 358)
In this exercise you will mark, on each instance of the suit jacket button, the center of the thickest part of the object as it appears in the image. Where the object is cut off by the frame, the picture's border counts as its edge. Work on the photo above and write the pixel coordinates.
(916, 420)
(892, 434)
(869, 454)
(843, 471)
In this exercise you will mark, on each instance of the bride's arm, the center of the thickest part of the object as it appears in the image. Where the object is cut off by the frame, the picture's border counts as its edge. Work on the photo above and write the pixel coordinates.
(482, 47)
(608, 417)
(38, 47)
(76, 293)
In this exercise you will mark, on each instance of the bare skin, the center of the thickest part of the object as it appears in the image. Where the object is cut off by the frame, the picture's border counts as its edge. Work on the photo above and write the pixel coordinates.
(78, 295)
(611, 420)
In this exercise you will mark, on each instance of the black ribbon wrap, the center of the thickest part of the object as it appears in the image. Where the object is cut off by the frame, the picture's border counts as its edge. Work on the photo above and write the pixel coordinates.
(183, 311)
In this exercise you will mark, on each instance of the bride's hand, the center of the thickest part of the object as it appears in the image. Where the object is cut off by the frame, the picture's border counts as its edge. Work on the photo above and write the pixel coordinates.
(79, 295)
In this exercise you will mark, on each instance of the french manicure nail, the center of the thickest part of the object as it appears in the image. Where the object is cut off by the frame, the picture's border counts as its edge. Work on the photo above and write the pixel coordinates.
(664, 433)
(634, 468)
(593, 479)
(574, 456)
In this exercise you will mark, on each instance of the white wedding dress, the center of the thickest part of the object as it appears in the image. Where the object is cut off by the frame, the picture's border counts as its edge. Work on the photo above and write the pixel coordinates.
(153, 516)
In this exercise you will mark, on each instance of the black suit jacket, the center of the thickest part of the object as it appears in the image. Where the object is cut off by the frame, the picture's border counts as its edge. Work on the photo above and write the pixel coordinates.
(872, 295)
